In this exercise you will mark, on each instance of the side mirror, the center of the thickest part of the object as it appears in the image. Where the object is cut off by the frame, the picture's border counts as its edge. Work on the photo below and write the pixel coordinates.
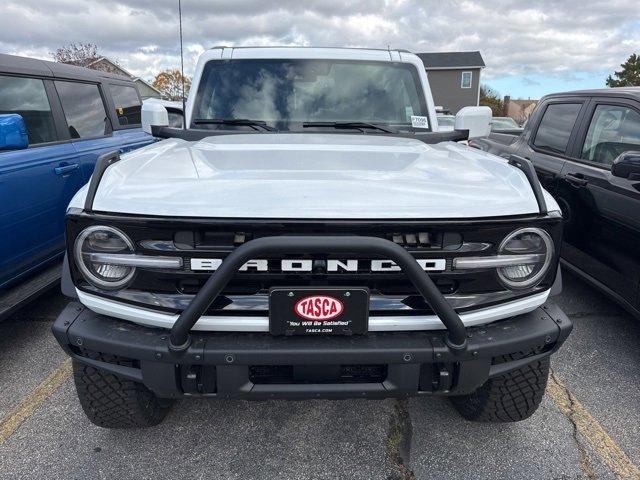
(154, 115)
(13, 132)
(477, 120)
(627, 165)
(176, 117)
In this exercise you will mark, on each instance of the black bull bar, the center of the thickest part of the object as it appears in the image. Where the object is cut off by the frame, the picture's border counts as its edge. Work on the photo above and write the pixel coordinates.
(180, 338)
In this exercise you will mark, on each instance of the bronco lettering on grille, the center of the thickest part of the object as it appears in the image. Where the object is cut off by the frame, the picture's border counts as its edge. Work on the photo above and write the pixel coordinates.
(332, 266)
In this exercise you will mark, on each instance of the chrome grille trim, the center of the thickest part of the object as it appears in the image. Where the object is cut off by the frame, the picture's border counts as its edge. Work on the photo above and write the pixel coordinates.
(135, 260)
(152, 318)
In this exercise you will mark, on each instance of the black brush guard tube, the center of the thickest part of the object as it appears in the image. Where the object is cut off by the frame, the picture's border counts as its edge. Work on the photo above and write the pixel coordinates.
(180, 337)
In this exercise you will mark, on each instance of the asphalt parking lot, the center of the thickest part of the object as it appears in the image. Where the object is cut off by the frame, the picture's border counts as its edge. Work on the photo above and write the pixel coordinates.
(587, 427)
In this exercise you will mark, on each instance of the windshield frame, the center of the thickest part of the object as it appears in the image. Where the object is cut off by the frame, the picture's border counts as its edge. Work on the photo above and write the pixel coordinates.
(296, 125)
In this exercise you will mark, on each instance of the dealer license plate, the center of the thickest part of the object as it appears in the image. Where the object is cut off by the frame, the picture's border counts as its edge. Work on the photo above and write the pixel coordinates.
(318, 311)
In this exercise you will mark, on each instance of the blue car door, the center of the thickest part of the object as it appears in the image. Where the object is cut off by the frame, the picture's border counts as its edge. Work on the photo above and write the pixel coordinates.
(88, 123)
(125, 101)
(87, 110)
(36, 183)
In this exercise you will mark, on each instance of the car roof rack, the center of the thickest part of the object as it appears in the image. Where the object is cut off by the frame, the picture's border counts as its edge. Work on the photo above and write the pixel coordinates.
(104, 162)
(529, 171)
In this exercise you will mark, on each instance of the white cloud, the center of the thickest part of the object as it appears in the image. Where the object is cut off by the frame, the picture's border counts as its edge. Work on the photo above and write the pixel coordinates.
(515, 37)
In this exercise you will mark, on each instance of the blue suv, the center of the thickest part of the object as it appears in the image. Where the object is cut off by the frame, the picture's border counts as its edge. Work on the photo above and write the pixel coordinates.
(55, 121)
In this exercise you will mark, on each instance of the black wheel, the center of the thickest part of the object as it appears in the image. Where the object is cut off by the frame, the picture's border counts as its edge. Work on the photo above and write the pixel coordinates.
(511, 397)
(113, 402)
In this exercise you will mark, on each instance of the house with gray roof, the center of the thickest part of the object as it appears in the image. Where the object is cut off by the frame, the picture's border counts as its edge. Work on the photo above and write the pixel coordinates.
(105, 64)
(454, 78)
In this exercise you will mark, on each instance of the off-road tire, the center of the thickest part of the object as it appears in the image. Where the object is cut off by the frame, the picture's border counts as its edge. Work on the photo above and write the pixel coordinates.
(511, 397)
(110, 401)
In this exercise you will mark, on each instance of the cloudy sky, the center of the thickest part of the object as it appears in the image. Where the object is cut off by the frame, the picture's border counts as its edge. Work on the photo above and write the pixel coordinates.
(530, 47)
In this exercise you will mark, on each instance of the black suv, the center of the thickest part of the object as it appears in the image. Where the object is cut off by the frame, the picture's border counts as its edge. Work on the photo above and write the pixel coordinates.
(585, 147)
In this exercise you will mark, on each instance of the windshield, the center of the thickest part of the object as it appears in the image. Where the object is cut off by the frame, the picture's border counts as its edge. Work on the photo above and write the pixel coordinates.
(288, 93)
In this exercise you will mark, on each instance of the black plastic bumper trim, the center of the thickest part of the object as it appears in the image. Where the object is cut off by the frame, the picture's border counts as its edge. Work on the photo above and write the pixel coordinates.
(542, 330)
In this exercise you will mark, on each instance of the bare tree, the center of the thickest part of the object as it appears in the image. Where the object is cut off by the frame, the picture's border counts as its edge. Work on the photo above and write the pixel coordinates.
(80, 54)
(169, 83)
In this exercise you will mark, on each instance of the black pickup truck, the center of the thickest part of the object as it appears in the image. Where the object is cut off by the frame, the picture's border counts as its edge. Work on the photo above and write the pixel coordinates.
(585, 146)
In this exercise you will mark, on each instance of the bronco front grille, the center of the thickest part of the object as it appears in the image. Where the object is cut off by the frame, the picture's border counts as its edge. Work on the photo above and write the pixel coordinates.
(198, 239)
(415, 237)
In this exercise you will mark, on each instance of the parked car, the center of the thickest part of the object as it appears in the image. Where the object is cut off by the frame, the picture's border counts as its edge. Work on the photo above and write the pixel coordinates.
(585, 146)
(505, 124)
(315, 239)
(55, 121)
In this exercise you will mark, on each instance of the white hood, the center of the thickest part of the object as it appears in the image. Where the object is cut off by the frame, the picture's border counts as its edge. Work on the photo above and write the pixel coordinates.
(313, 176)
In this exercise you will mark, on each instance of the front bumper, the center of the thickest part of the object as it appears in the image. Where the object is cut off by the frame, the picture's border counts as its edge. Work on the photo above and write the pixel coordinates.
(259, 366)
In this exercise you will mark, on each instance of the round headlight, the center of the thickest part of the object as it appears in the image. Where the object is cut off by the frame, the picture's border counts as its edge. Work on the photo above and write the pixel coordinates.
(99, 240)
(535, 246)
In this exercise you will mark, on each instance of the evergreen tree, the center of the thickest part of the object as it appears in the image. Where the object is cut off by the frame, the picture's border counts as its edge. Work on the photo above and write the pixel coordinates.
(629, 76)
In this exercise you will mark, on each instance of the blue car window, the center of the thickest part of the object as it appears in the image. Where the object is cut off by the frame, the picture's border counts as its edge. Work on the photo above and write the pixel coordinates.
(83, 109)
(27, 97)
(128, 105)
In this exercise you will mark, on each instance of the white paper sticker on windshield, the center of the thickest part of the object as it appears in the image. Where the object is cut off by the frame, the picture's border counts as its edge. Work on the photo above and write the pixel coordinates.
(419, 121)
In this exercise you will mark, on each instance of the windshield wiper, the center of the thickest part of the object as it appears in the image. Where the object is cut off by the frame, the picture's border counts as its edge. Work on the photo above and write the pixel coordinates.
(348, 125)
(243, 122)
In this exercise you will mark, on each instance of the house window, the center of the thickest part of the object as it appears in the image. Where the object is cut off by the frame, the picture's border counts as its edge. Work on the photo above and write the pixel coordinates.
(465, 82)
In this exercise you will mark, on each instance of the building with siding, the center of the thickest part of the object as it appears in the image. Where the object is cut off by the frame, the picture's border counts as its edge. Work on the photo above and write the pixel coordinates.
(519, 110)
(105, 64)
(454, 78)
(146, 89)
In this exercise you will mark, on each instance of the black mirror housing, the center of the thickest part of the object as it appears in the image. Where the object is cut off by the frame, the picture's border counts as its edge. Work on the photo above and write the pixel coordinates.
(627, 165)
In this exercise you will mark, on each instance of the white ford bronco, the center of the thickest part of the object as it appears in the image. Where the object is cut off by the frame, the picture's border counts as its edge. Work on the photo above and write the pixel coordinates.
(311, 234)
